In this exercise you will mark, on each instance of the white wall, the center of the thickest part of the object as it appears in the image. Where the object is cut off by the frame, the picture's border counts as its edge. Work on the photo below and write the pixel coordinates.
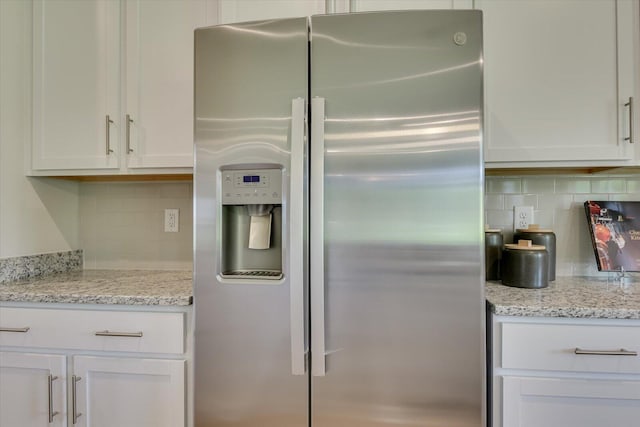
(558, 204)
(37, 215)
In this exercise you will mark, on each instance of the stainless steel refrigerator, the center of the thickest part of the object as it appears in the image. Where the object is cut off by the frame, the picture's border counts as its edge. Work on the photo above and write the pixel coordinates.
(338, 221)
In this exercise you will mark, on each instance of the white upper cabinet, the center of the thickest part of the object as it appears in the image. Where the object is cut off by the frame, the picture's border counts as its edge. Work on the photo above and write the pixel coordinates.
(113, 85)
(254, 10)
(372, 5)
(158, 120)
(557, 77)
(76, 82)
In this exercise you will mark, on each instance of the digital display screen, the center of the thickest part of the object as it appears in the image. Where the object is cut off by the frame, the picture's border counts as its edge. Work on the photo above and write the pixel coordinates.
(251, 178)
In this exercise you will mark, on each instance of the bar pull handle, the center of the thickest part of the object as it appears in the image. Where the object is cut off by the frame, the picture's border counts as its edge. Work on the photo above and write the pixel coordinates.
(128, 121)
(52, 413)
(118, 334)
(631, 129)
(23, 330)
(620, 352)
(108, 123)
(74, 394)
(299, 347)
(316, 226)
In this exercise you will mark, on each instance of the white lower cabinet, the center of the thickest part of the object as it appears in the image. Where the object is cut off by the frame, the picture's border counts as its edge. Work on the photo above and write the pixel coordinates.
(32, 389)
(564, 372)
(108, 368)
(567, 402)
(128, 392)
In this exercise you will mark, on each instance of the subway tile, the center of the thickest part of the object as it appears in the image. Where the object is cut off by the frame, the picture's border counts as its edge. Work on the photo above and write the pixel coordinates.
(633, 185)
(555, 201)
(175, 190)
(499, 219)
(581, 198)
(503, 185)
(608, 186)
(494, 201)
(625, 197)
(538, 185)
(544, 218)
(520, 200)
(573, 185)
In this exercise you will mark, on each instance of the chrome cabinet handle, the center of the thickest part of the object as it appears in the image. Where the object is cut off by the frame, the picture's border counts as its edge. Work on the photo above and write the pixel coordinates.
(630, 105)
(118, 334)
(25, 329)
(129, 120)
(621, 352)
(108, 122)
(299, 347)
(74, 393)
(316, 230)
(52, 414)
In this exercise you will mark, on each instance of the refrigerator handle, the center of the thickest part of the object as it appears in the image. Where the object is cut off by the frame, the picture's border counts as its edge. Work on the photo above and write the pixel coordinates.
(316, 226)
(296, 239)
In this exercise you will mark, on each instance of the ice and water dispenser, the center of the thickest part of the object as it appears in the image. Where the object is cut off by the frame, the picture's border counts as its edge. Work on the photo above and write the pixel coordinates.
(251, 223)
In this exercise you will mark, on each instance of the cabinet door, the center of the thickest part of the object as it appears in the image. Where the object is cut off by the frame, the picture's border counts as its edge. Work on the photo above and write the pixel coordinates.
(127, 392)
(25, 397)
(159, 85)
(76, 84)
(371, 5)
(253, 10)
(557, 76)
(534, 402)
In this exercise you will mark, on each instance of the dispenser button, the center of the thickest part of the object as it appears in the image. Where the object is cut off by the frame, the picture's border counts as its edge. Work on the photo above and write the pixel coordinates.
(274, 195)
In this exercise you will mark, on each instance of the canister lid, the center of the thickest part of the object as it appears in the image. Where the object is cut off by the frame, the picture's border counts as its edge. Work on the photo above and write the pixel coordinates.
(533, 228)
(524, 245)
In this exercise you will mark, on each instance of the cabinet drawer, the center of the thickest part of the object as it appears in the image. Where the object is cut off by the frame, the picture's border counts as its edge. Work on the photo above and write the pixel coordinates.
(144, 332)
(553, 347)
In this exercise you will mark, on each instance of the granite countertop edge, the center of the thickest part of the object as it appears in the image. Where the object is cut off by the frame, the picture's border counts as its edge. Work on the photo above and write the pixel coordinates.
(569, 297)
(114, 287)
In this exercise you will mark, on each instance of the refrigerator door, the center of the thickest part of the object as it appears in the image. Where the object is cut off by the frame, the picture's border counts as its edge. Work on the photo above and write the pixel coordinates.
(397, 314)
(251, 86)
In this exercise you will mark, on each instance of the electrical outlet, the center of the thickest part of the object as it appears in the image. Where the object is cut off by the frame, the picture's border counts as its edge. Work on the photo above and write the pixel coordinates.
(522, 216)
(171, 220)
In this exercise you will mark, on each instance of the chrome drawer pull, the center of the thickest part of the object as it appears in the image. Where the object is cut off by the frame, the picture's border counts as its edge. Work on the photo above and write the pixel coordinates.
(621, 352)
(119, 334)
(15, 329)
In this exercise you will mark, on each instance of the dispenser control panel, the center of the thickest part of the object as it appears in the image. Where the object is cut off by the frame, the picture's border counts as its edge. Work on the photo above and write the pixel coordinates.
(250, 187)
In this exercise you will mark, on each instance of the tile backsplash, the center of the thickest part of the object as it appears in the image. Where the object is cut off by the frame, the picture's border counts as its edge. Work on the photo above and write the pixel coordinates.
(558, 204)
(122, 225)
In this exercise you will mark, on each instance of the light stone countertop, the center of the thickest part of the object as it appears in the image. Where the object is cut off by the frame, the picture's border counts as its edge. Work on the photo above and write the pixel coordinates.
(128, 287)
(578, 297)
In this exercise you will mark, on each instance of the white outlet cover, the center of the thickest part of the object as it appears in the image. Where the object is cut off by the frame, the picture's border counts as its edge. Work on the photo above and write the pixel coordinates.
(171, 220)
(522, 217)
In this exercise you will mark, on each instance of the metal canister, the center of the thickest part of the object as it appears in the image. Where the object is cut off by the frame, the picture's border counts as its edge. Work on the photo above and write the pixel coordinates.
(525, 265)
(493, 244)
(543, 237)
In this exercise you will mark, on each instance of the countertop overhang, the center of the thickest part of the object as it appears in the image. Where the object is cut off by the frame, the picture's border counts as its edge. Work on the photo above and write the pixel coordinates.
(126, 287)
(576, 297)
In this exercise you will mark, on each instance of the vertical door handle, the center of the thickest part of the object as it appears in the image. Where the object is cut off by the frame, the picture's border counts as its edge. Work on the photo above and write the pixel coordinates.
(631, 129)
(50, 380)
(316, 226)
(299, 348)
(74, 398)
(107, 123)
(128, 121)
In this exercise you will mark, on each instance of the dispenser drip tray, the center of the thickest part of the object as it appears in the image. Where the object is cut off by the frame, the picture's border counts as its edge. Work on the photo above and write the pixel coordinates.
(253, 274)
